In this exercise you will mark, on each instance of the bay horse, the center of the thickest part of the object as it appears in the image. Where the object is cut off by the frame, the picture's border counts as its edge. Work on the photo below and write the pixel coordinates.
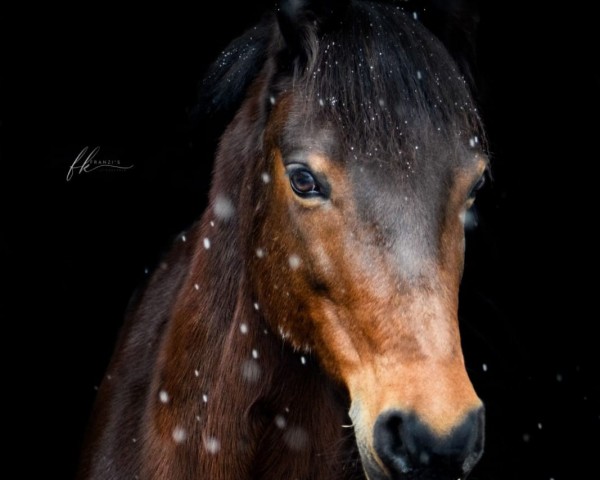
(306, 327)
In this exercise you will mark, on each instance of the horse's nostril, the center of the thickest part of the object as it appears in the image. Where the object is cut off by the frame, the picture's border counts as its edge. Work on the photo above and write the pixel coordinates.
(405, 444)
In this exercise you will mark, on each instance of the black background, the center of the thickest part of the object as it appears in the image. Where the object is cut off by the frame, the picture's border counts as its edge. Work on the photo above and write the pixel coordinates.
(73, 252)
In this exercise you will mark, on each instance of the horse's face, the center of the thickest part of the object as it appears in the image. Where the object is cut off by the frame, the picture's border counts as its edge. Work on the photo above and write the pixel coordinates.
(358, 261)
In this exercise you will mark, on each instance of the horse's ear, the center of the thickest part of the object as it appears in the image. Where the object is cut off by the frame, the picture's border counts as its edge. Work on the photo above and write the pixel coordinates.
(227, 80)
(299, 19)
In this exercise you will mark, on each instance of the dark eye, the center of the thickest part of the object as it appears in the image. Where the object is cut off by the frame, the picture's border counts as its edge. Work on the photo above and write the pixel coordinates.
(476, 187)
(304, 183)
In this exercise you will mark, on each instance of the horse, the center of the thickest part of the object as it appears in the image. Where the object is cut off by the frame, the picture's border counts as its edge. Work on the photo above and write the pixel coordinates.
(306, 326)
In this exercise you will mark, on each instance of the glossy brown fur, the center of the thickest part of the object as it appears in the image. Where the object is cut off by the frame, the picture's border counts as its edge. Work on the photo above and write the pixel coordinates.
(179, 330)
(277, 321)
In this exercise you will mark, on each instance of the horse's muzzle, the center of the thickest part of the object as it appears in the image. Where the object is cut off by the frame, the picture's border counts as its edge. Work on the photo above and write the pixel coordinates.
(408, 449)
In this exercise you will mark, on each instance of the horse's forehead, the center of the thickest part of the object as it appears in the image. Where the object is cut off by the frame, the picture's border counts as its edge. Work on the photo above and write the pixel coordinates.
(375, 163)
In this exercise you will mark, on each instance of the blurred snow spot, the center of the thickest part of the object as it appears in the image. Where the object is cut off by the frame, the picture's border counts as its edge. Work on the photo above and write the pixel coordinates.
(296, 438)
(183, 239)
(280, 422)
(381, 104)
(321, 102)
(251, 371)
(205, 398)
(469, 219)
(415, 16)
(254, 353)
(163, 396)
(260, 253)
(212, 445)
(272, 100)
(303, 360)
(539, 425)
(294, 261)
(134, 439)
(559, 377)
(212, 224)
(419, 75)
(223, 207)
(197, 373)
(244, 328)
(206, 243)
(484, 367)
(196, 286)
(526, 437)
(178, 434)
(265, 177)
(256, 306)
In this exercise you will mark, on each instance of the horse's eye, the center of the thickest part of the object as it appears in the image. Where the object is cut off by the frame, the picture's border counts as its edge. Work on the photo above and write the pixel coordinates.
(476, 187)
(304, 183)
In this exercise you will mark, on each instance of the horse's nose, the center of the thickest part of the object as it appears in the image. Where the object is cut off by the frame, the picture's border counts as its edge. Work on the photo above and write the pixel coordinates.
(406, 445)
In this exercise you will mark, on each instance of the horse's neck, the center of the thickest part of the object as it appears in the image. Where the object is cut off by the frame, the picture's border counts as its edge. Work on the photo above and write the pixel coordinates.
(233, 389)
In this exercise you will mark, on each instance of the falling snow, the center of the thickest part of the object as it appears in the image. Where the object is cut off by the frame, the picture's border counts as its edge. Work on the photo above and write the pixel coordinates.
(196, 286)
(296, 438)
(212, 445)
(251, 371)
(256, 306)
(303, 360)
(294, 261)
(484, 367)
(223, 207)
(178, 434)
(280, 422)
(183, 239)
(163, 396)
(206, 243)
(254, 353)
(244, 328)
(265, 177)
(205, 398)
(197, 373)
(260, 253)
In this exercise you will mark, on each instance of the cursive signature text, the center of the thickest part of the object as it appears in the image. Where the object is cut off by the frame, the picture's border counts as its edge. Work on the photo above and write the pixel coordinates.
(86, 162)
